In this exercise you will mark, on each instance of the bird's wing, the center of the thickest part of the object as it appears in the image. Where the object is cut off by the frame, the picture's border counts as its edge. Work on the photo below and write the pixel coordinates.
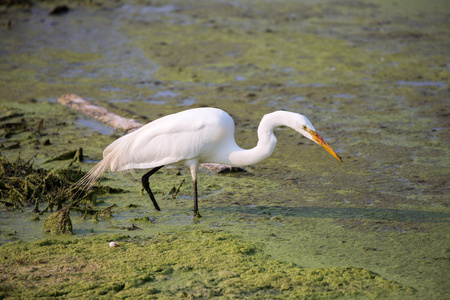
(164, 141)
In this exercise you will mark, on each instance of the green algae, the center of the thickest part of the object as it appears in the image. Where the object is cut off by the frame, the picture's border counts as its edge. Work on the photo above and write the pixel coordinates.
(59, 222)
(199, 264)
(23, 185)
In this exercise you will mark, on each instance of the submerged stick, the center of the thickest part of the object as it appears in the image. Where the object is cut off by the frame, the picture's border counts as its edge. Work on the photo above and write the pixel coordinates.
(100, 113)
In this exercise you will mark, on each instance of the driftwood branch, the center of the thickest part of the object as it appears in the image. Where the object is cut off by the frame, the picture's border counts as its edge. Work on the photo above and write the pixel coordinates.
(120, 123)
(98, 112)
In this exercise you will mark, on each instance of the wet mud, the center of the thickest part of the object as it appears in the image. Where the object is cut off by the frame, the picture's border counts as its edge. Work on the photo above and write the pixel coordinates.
(372, 76)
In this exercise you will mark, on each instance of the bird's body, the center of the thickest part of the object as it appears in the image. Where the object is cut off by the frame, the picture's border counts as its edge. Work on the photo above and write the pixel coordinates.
(200, 135)
(181, 137)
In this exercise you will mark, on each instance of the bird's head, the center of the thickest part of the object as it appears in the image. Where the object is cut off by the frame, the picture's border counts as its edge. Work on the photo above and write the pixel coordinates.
(304, 126)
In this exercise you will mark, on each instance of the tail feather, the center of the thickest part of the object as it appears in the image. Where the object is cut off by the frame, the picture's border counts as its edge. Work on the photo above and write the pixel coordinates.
(89, 179)
(114, 156)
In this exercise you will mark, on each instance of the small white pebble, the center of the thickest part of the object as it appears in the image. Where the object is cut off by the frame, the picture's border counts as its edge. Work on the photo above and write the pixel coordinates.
(113, 244)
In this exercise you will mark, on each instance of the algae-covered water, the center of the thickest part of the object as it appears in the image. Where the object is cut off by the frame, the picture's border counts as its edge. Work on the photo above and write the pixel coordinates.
(372, 76)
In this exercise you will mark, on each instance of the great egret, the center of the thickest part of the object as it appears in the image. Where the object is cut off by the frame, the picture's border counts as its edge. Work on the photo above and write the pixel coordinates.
(194, 136)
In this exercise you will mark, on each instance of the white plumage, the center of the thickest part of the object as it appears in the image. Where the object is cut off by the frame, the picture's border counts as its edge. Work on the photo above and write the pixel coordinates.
(201, 135)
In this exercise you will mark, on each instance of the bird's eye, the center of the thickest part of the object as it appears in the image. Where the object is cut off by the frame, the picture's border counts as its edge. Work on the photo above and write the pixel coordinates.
(305, 127)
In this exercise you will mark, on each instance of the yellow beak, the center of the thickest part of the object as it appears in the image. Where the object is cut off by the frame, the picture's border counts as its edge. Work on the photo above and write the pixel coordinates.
(319, 140)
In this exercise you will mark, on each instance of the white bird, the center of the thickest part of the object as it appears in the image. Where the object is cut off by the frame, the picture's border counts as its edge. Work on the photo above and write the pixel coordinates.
(192, 137)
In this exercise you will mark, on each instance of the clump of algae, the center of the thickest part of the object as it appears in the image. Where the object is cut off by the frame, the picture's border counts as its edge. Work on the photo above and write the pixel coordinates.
(23, 185)
(196, 264)
(59, 222)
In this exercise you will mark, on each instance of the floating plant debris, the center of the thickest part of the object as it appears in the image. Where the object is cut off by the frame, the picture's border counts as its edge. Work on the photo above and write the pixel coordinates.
(59, 222)
(23, 185)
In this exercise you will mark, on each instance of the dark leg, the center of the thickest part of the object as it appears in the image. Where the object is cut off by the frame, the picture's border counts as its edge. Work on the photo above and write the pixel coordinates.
(196, 213)
(146, 185)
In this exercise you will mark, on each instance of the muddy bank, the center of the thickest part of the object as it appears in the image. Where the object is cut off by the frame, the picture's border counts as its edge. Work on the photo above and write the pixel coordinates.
(372, 76)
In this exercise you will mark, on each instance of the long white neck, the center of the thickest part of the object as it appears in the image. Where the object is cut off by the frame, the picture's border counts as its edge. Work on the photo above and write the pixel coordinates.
(266, 140)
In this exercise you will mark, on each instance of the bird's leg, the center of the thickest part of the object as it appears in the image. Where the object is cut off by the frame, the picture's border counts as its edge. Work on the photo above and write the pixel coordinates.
(194, 169)
(146, 185)
(196, 213)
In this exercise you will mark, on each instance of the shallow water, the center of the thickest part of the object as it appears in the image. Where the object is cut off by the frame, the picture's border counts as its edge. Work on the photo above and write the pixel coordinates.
(372, 76)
